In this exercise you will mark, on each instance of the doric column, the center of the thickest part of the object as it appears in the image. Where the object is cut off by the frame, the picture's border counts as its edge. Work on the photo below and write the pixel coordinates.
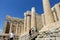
(33, 17)
(17, 28)
(57, 8)
(54, 14)
(28, 21)
(25, 22)
(10, 27)
(43, 19)
(5, 25)
(47, 12)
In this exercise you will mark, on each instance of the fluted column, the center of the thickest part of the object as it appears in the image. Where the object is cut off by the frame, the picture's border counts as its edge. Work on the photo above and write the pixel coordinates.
(33, 18)
(25, 22)
(28, 21)
(57, 8)
(10, 27)
(47, 12)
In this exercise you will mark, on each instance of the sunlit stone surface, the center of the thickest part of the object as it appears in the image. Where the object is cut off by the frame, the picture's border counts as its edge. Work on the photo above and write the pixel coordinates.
(44, 26)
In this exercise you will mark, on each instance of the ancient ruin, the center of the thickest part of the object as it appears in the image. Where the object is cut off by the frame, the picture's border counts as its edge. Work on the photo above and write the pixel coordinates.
(44, 26)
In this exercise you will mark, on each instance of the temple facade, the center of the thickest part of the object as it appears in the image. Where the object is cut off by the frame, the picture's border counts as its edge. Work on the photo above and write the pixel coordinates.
(20, 26)
(40, 23)
(13, 24)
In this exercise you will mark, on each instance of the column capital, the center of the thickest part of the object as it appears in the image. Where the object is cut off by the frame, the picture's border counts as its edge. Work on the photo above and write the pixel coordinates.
(33, 9)
(27, 13)
(8, 18)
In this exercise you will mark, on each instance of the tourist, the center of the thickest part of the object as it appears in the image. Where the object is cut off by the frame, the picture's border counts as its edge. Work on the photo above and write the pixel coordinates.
(11, 36)
(4, 38)
(30, 32)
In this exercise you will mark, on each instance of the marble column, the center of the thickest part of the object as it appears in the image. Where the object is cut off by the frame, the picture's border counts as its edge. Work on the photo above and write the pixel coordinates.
(54, 15)
(43, 19)
(28, 21)
(17, 28)
(10, 27)
(25, 22)
(47, 12)
(57, 8)
(5, 25)
(33, 17)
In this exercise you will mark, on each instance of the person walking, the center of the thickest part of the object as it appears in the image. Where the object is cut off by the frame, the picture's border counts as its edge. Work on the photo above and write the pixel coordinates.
(11, 36)
(30, 32)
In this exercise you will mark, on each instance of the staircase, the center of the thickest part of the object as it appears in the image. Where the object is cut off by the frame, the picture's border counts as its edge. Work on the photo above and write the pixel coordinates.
(55, 35)
(52, 32)
(26, 36)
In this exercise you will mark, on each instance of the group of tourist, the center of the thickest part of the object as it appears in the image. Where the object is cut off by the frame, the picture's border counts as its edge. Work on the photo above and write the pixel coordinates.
(11, 37)
(31, 32)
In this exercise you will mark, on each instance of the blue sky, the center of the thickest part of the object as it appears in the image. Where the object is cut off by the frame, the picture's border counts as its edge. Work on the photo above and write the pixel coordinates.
(16, 8)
